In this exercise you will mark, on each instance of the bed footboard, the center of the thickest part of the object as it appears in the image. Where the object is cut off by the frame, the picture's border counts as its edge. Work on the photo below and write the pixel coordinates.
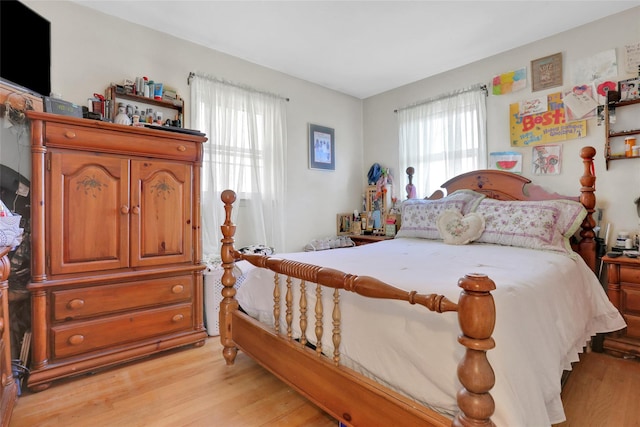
(322, 379)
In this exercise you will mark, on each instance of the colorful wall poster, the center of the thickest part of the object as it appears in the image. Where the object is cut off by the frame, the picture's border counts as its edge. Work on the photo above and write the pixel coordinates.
(510, 82)
(544, 128)
(510, 161)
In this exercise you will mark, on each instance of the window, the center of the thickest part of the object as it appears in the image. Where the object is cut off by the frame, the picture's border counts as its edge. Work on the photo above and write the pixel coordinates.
(245, 153)
(442, 138)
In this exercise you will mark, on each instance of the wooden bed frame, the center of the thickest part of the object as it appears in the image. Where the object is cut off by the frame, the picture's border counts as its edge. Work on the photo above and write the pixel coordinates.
(346, 395)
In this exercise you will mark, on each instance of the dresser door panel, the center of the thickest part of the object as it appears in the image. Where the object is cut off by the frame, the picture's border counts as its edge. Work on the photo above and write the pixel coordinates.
(89, 222)
(161, 213)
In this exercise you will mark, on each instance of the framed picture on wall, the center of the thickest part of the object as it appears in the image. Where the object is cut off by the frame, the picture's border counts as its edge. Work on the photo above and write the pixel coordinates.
(322, 148)
(546, 72)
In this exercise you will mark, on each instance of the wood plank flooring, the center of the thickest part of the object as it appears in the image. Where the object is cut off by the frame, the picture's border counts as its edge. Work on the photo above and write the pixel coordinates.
(194, 387)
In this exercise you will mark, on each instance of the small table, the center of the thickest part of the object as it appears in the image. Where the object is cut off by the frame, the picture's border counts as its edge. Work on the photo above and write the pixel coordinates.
(365, 239)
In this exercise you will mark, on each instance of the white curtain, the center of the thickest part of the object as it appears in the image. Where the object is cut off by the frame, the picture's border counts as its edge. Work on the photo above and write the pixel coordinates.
(442, 137)
(245, 153)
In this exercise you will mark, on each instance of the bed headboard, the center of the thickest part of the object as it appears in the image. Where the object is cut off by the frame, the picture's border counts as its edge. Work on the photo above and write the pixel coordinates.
(509, 186)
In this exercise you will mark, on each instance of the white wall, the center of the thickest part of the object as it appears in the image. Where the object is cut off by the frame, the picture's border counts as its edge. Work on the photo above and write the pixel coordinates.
(89, 50)
(617, 187)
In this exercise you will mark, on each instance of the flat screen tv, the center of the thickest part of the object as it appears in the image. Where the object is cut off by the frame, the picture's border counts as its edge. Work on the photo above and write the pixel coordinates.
(25, 47)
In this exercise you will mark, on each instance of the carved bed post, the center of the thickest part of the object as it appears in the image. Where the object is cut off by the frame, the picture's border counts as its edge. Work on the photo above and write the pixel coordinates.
(587, 245)
(477, 318)
(228, 304)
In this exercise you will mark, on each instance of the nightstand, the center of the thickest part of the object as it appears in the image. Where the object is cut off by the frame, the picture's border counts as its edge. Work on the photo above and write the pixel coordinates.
(623, 289)
(365, 239)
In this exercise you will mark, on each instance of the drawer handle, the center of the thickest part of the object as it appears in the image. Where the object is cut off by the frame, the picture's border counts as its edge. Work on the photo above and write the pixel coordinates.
(177, 318)
(136, 210)
(76, 339)
(177, 289)
(124, 210)
(75, 304)
(182, 148)
(70, 134)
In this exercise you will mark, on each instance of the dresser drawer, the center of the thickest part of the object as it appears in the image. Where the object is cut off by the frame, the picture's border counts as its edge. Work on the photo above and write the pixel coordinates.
(84, 336)
(110, 141)
(633, 325)
(630, 299)
(629, 274)
(100, 300)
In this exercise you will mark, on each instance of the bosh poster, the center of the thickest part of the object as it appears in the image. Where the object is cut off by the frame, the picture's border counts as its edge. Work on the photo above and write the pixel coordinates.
(546, 127)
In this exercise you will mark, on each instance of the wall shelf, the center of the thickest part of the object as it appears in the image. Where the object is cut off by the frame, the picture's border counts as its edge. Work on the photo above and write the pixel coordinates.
(612, 134)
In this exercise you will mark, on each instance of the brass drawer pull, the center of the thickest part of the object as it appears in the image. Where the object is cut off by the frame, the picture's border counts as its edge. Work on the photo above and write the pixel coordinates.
(177, 289)
(76, 339)
(177, 318)
(75, 304)
(70, 134)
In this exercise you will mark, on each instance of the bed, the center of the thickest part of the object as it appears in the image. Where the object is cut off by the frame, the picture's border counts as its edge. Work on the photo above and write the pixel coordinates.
(366, 333)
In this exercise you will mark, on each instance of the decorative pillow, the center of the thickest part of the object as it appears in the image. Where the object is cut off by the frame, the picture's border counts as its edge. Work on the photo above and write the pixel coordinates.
(456, 229)
(546, 225)
(420, 217)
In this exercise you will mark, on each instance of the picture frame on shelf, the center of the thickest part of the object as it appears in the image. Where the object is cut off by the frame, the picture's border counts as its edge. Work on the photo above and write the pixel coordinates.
(343, 223)
(629, 89)
(322, 147)
(546, 72)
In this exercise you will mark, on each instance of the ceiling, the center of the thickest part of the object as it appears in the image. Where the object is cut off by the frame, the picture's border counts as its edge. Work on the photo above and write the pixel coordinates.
(361, 48)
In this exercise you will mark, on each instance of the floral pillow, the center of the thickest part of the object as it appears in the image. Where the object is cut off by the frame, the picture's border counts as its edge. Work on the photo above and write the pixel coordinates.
(420, 217)
(546, 225)
(456, 229)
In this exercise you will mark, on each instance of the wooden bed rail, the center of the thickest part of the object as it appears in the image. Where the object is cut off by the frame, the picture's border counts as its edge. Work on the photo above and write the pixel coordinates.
(475, 307)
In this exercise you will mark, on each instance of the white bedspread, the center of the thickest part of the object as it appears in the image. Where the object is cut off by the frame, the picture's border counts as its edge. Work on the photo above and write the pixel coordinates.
(548, 305)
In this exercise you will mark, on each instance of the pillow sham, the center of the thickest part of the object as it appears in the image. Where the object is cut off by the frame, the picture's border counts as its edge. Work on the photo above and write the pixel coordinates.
(456, 229)
(420, 217)
(545, 225)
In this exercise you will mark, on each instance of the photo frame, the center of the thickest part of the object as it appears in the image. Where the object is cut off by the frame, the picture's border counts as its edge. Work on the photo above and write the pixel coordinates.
(343, 223)
(546, 72)
(322, 148)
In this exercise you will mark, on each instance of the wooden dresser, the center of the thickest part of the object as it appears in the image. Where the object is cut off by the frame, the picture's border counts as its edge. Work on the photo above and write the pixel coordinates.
(116, 244)
(8, 385)
(623, 289)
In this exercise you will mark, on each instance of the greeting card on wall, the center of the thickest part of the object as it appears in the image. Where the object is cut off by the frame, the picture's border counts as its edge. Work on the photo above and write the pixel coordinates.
(579, 103)
(533, 106)
(546, 159)
(600, 66)
(632, 58)
(509, 161)
(546, 127)
(510, 82)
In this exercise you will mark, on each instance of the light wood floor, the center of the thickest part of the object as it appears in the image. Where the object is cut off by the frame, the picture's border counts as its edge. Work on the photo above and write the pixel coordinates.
(194, 387)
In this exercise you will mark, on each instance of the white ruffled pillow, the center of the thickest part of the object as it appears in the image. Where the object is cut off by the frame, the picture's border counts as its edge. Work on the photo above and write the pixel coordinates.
(546, 224)
(456, 229)
(420, 217)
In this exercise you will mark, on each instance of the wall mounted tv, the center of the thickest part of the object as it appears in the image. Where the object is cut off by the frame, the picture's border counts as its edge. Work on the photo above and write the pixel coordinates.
(25, 47)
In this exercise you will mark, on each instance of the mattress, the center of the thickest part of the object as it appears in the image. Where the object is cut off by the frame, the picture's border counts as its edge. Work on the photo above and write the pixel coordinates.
(548, 306)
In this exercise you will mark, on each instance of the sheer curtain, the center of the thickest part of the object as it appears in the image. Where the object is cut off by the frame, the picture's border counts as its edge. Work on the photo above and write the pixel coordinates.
(246, 153)
(443, 137)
